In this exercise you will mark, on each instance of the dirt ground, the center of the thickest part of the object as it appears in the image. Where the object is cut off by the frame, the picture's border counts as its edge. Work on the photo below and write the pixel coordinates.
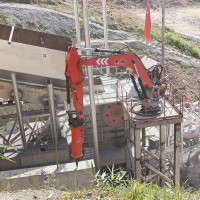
(184, 20)
(43, 194)
(186, 79)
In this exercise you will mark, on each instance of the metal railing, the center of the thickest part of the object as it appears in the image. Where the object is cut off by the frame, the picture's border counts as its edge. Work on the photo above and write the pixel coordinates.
(171, 105)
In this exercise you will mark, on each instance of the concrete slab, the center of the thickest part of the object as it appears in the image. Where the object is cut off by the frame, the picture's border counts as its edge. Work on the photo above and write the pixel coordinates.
(35, 157)
(5, 164)
(31, 160)
(19, 183)
(5, 185)
(66, 176)
(36, 181)
(112, 155)
(4, 175)
(66, 180)
(84, 178)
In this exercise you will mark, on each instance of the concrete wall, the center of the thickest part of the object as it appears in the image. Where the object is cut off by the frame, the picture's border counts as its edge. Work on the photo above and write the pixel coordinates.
(66, 176)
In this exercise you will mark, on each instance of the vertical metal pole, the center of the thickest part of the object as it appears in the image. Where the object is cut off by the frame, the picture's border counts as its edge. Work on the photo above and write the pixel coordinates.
(137, 154)
(91, 85)
(127, 135)
(177, 153)
(163, 32)
(77, 23)
(167, 135)
(105, 30)
(181, 143)
(53, 117)
(143, 137)
(11, 35)
(199, 99)
(19, 111)
(162, 151)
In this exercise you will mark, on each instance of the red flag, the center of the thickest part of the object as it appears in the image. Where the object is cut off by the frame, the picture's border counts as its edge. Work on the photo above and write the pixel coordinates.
(147, 29)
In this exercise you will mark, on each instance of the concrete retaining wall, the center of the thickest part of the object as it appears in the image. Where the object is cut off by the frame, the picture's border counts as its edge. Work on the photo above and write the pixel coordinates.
(66, 176)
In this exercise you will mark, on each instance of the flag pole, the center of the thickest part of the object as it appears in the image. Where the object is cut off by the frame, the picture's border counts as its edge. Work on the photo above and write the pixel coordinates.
(163, 32)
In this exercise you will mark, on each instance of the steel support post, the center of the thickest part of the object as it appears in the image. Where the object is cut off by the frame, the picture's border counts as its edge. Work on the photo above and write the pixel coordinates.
(19, 111)
(199, 99)
(163, 32)
(52, 114)
(78, 36)
(91, 85)
(137, 154)
(105, 30)
(177, 153)
(167, 135)
(52, 110)
(143, 137)
(127, 136)
(162, 151)
(181, 143)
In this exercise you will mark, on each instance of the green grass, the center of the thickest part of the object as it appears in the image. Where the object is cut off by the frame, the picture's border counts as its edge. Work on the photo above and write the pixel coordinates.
(134, 190)
(19, 24)
(172, 38)
(4, 20)
(112, 183)
(32, 25)
(113, 23)
(183, 45)
(5, 146)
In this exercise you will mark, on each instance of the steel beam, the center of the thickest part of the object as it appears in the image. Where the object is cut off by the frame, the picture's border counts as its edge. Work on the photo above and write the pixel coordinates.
(167, 135)
(19, 111)
(143, 137)
(149, 153)
(52, 114)
(52, 110)
(29, 37)
(91, 85)
(105, 30)
(163, 32)
(77, 23)
(177, 153)
(127, 135)
(162, 151)
(137, 154)
(157, 172)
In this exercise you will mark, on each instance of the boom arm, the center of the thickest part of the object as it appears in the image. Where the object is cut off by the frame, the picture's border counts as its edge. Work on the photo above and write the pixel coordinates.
(74, 76)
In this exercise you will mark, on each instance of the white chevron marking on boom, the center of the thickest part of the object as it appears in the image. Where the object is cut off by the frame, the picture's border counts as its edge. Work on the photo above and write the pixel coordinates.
(105, 61)
(102, 61)
(98, 63)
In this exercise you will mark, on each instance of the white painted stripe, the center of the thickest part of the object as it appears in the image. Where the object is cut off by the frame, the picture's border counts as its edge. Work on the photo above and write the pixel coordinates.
(98, 63)
(105, 61)
(102, 61)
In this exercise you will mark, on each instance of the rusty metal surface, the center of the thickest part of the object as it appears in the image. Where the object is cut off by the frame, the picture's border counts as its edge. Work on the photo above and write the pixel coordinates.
(33, 38)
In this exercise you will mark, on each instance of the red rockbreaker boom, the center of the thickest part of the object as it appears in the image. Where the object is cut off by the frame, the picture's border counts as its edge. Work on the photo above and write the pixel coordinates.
(150, 84)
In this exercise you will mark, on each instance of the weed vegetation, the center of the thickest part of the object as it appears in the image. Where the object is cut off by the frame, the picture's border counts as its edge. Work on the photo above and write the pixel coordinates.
(4, 20)
(113, 183)
(4, 146)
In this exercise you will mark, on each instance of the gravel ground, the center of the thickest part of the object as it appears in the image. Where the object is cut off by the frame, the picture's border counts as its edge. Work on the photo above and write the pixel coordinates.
(176, 18)
(42, 194)
(184, 20)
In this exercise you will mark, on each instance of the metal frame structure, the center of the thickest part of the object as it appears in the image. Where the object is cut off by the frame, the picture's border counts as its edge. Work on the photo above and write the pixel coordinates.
(133, 143)
(22, 117)
(19, 116)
